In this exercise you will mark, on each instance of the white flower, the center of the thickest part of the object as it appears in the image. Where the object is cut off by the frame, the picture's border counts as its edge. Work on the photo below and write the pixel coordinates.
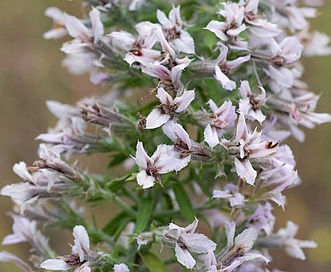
(293, 246)
(79, 258)
(250, 104)
(121, 268)
(262, 218)
(223, 117)
(58, 30)
(168, 108)
(172, 29)
(250, 147)
(233, 25)
(231, 193)
(188, 242)
(163, 161)
(83, 36)
(23, 231)
(223, 67)
(237, 249)
(8, 257)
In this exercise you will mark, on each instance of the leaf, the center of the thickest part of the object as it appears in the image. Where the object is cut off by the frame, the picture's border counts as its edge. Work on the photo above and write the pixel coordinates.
(115, 226)
(117, 159)
(144, 212)
(184, 202)
(117, 183)
(197, 174)
(153, 263)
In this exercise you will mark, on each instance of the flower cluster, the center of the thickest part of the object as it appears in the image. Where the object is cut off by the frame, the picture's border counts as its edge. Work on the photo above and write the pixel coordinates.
(198, 102)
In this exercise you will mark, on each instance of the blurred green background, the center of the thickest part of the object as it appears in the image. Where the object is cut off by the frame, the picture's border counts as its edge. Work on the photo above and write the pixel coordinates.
(31, 73)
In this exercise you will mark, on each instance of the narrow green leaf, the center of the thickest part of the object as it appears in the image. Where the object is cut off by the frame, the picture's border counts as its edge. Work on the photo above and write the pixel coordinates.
(202, 184)
(117, 159)
(183, 201)
(144, 212)
(153, 263)
(115, 226)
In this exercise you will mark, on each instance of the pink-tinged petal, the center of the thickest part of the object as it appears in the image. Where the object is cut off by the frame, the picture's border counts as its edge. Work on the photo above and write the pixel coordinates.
(55, 33)
(257, 115)
(199, 243)
(162, 151)
(166, 47)
(175, 131)
(245, 89)
(237, 200)
(235, 263)
(263, 28)
(81, 242)
(55, 13)
(142, 159)
(156, 119)
(9, 257)
(97, 77)
(21, 170)
(169, 130)
(164, 97)
(281, 75)
(221, 194)
(291, 49)
(73, 47)
(12, 239)
(236, 31)
(122, 267)
(263, 149)
(317, 44)
(146, 58)
(61, 110)
(97, 25)
(210, 136)
(145, 180)
(245, 171)
(181, 163)
(189, 229)
(238, 61)
(315, 118)
(58, 17)
(55, 264)
(218, 28)
(185, 43)
(174, 16)
(122, 40)
(50, 138)
(21, 192)
(253, 256)
(241, 131)
(294, 251)
(246, 239)
(212, 105)
(230, 228)
(176, 72)
(83, 268)
(184, 257)
(76, 28)
(223, 53)
(136, 4)
(147, 37)
(168, 164)
(226, 83)
(162, 18)
(158, 71)
(184, 101)
(251, 6)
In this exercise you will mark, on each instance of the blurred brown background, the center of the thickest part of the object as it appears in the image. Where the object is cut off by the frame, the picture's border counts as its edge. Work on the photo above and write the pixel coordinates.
(31, 73)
